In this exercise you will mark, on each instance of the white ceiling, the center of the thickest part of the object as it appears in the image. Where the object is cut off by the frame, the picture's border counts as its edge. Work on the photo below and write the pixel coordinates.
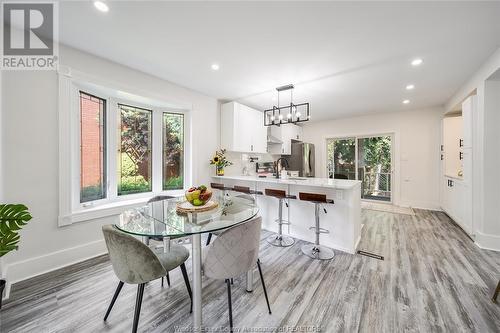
(344, 58)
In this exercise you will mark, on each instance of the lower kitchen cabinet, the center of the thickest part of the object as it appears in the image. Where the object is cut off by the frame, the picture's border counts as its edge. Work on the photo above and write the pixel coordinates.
(456, 202)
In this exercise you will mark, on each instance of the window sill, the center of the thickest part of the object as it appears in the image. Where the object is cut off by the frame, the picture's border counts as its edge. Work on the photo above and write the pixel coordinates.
(109, 209)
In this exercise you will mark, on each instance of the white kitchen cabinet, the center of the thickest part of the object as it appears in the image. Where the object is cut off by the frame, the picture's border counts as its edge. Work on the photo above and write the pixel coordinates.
(242, 129)
(452, 139)
(289, 132)
(457, 204)
(468, 110)
(456, 192)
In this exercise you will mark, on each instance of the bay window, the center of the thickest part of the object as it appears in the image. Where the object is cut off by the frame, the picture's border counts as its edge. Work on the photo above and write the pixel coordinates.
(121, 151)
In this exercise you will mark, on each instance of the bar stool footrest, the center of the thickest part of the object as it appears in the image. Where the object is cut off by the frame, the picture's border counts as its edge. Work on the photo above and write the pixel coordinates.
(283, 222)
(321, 230)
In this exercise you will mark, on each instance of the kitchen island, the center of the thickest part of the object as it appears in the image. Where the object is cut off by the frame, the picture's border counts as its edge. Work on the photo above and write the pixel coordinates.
(343, 218)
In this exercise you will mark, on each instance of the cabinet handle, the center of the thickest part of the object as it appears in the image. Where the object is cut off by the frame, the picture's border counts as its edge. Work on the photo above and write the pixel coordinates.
(451, 183)
(251, 147)
(461, 142)
(442, 147)
(442, 157)
(461, 155)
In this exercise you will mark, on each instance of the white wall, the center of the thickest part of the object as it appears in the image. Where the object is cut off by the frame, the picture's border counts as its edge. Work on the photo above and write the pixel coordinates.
(30, 155)
(486, 164)
(416, 151)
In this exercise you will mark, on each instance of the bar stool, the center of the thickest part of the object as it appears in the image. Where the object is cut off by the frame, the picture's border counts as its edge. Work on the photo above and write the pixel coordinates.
(221, 187)
(317, 251)
(224, 189)
(278, 239)
(251, 194)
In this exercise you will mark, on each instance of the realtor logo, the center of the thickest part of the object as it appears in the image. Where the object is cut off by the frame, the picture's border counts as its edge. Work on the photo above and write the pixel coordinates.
(29, 36)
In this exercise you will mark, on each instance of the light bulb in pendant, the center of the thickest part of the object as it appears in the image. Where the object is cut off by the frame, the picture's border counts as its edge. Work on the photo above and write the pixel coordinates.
(272, 118)
(280, 117)
(297, 114)
(289, 115)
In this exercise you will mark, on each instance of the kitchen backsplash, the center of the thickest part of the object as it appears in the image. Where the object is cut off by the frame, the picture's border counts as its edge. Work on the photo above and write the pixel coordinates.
(241, 160)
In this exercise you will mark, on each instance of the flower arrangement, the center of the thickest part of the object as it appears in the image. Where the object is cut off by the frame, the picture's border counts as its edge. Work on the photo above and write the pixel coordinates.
(220, 161)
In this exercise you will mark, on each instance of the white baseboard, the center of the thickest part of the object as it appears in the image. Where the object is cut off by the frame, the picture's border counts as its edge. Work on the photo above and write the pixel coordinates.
(487, 241)
(25, 269)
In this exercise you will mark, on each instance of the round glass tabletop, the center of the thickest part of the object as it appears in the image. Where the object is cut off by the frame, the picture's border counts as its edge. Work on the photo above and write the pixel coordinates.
(161, 219)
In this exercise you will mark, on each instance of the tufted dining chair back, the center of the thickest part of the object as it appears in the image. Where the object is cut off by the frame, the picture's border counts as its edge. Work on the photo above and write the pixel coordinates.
(234, 252)
(132, 261)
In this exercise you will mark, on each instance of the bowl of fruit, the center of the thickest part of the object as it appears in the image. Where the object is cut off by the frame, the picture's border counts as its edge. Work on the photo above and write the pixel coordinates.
(198, 196)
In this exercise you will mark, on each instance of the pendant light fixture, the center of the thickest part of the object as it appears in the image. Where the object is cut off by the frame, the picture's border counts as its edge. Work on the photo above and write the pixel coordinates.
(288, 114)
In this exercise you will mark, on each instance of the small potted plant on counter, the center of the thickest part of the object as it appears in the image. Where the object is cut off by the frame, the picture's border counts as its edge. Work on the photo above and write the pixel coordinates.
(12, 218)
(220, 161)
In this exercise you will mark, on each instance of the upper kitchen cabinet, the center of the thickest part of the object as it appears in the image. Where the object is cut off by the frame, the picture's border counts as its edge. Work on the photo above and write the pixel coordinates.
(280, 138)
(468, 107)
(242, 129)
(290, 132)
(452, 144)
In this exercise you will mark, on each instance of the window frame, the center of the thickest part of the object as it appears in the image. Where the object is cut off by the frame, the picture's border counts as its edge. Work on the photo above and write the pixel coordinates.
(105, 145)
(183, 149)
(118, 144)
(71, 210)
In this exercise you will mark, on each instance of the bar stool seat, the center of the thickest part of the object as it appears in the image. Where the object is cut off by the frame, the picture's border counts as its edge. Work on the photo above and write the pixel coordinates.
(246, 189)
(279, 239)
(317, 251)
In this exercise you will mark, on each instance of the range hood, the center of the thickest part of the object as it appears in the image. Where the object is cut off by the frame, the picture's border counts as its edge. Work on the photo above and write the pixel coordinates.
(271, 139)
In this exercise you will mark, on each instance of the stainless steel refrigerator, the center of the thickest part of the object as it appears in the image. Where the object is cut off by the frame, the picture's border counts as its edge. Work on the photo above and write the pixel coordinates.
(302, 159)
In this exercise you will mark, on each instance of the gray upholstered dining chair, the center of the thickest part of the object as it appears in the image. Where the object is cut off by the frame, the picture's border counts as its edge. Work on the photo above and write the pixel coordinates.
(135, 263)
(233, 253)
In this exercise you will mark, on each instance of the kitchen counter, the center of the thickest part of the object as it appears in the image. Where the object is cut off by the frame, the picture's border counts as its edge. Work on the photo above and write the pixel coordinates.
(340, 184)
(342, 219)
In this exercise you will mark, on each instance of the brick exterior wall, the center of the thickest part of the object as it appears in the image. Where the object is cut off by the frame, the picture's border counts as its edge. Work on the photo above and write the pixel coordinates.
(91, 159)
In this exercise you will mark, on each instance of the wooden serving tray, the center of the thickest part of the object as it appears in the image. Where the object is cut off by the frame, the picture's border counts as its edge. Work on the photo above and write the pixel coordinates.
(186, 207)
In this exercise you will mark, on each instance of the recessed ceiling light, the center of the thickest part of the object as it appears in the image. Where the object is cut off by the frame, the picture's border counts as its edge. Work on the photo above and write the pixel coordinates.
(406, 101)
(101, 6)
(410, 87)
(215, 67)
(417, 62)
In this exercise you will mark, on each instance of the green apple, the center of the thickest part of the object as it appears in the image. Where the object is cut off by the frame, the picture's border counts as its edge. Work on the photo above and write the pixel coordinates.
(198, 202)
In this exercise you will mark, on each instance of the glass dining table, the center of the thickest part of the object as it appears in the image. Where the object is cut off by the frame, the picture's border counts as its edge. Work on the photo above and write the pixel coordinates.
(160, 219)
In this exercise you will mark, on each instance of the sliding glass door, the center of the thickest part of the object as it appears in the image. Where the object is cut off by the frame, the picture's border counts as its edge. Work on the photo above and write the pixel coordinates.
(368, 159)
(342, 158)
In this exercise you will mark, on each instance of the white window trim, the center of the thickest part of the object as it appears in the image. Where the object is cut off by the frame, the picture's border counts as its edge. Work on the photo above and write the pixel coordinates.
(70, 208)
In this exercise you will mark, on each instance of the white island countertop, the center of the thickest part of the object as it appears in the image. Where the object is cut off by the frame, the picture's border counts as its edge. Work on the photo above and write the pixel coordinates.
(341, 184)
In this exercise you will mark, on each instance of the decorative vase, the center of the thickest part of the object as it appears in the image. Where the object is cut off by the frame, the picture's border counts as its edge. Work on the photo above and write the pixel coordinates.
(219, 170)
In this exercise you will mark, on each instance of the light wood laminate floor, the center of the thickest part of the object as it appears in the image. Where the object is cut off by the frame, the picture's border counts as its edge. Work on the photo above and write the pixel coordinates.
(433, 279)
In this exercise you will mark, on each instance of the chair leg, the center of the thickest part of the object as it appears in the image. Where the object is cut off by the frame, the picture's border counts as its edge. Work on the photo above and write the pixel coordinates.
(497, 291)
(228, 282)
(188, 286)
(115, 296)
(138, 302)
(162, 281)
(209, 238)
(168, 279)
(263, 285)
(232, 282)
